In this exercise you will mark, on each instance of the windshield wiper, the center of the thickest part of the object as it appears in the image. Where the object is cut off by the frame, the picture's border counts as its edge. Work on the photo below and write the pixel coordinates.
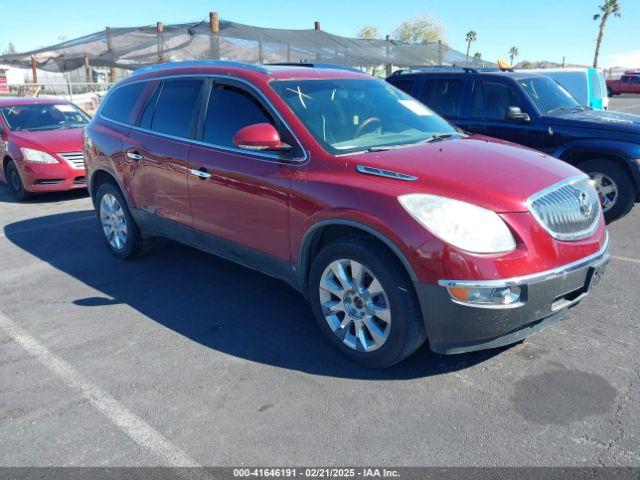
(438, 137)
(563, 109)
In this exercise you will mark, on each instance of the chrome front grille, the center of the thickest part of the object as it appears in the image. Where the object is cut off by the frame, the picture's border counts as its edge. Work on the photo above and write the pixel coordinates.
(75, 159)
(569, 210)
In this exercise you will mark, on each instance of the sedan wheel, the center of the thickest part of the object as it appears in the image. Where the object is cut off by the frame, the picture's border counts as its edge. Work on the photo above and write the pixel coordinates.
(355, 305)
(114, 222)
(606, 188)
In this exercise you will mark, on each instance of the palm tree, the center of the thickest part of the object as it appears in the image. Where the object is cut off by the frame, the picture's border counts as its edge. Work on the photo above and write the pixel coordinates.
(513, 53)
(471, 37)
(608, 8)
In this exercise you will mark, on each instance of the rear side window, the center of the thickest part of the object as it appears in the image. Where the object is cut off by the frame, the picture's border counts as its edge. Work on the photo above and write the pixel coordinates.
(175, 112)
(150, 108)
(231, 109)
(405, 84)
(447, 96)
(427, 91)
(121, 102)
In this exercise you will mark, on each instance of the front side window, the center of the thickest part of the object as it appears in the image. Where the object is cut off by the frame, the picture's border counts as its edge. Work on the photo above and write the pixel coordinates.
(348, 115)
(43, 116)
(175, 112)
(635, 80)
(548, 95)
(491, 100)
(231, 109)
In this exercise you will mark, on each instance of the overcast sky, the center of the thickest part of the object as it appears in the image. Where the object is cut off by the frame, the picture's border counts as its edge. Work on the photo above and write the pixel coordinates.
(541, 29)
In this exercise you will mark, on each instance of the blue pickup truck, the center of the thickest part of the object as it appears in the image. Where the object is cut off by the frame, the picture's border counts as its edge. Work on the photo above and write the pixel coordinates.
(533, 110)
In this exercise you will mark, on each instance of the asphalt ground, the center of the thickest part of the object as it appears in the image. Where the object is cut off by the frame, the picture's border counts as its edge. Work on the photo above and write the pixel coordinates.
(181, 358)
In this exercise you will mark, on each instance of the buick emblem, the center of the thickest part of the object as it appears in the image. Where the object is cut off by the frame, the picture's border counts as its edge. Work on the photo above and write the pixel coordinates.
(585, 204)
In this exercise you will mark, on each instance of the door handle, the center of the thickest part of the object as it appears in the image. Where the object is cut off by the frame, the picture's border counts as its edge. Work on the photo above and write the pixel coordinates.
(202, 173)
(134, 156)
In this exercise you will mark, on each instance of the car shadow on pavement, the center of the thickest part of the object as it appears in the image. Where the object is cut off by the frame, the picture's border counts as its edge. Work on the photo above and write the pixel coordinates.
(52, 197)
(211, 301)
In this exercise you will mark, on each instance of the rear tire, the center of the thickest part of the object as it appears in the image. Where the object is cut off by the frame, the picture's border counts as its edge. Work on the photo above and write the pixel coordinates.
(122, 234)
(614, 185)
(610, 92)
(15, 182)
(379, 341)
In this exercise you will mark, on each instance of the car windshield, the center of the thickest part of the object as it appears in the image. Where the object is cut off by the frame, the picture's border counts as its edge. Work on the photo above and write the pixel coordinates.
(548, 95)
(43, 116)
(348, 115)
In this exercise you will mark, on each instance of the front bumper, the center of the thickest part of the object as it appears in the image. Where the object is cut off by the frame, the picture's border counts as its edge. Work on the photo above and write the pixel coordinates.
(455, 327)
(52, 177)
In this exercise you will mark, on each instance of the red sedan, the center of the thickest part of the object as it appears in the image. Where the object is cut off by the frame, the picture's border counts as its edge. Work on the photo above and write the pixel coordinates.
(41, 145)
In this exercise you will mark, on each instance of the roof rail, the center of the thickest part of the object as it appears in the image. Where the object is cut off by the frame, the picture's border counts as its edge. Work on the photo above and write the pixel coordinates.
(313, 65)
(198, 63)
(444, 68)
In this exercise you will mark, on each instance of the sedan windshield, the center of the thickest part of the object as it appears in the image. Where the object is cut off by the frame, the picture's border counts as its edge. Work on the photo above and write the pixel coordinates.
(548, 95)
(43, 116)
(348, 115)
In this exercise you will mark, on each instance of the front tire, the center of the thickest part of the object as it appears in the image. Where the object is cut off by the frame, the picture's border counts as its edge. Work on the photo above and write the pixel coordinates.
(365, 303)
(15, 182)
(121, 233)
(614, 186)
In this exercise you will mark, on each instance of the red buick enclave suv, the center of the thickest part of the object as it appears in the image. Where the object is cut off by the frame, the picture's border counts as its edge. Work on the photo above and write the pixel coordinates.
(395, 225)
(41, 145)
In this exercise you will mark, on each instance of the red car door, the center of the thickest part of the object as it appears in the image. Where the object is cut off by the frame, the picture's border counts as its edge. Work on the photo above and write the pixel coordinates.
(158, 151)
(237, 195)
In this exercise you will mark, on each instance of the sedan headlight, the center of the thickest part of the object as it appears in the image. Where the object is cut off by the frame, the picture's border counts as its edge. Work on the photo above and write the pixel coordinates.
(37, 156)
(463, 225)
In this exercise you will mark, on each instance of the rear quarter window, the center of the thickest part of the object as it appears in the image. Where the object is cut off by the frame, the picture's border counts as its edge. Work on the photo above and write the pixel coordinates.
(120, 103)
(404, 84)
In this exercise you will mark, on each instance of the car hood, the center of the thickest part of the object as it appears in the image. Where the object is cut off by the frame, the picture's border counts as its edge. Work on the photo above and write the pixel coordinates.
(597, 119)
(52, 141)
(487, 172)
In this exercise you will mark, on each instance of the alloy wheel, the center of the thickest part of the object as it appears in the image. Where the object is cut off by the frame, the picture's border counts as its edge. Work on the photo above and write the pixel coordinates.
(606, 188)
(114, 222)
(355, 305)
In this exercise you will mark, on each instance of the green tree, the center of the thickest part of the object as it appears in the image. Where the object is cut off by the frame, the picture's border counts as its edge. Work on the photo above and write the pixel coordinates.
(471, 37)
(418, 30)
(368, 31)
(526, 65)
(513, 53)
(608, 8)
(477, 57)
(10, 50)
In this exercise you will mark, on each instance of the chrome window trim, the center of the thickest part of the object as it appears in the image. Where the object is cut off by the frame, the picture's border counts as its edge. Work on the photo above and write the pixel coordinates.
(561, 236)
(535, 277)
(259, 155)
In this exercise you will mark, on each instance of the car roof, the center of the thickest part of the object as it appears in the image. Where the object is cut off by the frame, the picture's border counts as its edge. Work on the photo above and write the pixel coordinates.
(247, 70)
(444, 71)
(11, 101)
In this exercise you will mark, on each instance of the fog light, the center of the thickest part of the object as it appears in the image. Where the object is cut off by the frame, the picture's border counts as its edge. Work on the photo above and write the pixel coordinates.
(486, 295)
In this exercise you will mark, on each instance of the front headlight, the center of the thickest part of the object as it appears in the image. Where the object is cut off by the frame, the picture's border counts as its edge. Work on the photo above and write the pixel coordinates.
(37, 156)
(463, 225)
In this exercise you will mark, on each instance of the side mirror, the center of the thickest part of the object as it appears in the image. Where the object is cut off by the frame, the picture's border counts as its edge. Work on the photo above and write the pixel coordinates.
(260, 137)
(516, 115)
